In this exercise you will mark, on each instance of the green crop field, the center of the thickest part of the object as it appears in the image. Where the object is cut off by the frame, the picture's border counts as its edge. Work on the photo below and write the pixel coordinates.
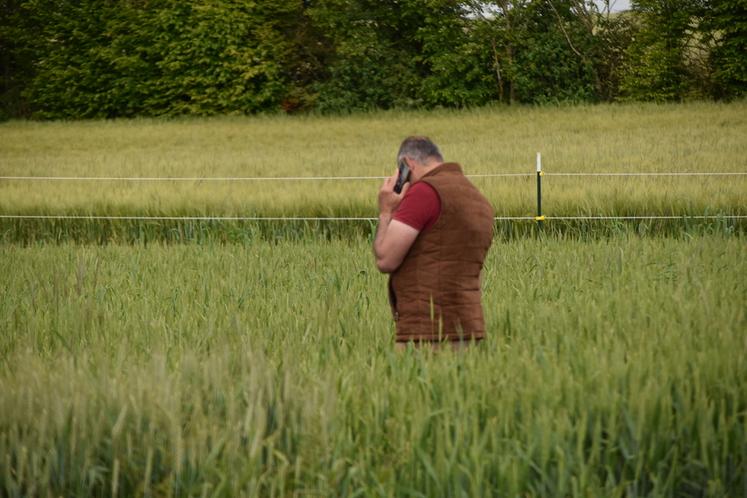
(257, 360)
(633, 138)
(613, 368)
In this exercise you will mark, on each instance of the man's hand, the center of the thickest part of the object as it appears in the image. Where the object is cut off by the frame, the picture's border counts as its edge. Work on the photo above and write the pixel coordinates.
(388, 199)
(393, 238)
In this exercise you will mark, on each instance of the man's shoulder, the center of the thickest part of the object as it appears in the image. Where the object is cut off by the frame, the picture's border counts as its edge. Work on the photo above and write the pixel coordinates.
(420, 207)
(422, 194)
(421, 188)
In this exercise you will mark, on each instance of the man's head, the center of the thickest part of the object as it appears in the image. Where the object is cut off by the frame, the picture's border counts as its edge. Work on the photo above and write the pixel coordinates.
(421, 155)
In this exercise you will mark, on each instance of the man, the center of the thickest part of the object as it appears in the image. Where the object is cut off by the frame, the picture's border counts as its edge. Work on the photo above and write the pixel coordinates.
(432, 238)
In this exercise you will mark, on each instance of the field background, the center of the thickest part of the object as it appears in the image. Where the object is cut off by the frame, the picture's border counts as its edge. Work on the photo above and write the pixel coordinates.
(615, 364)
(612, 368)
(702, 137)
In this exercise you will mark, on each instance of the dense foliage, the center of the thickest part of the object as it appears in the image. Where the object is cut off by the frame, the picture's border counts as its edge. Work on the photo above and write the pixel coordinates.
(95, 58)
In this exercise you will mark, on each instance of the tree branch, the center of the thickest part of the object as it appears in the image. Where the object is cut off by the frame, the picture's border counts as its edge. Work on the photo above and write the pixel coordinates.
(565, 33)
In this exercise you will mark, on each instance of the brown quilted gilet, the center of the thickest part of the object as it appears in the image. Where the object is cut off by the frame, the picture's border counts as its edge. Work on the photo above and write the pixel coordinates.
(435, 292)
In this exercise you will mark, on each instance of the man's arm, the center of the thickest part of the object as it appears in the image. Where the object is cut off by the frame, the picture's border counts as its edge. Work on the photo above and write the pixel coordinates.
(393, 238)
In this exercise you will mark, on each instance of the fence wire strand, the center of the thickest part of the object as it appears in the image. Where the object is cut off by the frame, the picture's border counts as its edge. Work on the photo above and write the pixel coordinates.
(333, 178)
(690, 173)
(347, 178)
(346, 218)
(226, 178)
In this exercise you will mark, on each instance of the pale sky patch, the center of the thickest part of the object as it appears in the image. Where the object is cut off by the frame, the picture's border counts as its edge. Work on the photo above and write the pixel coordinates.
(617, 5)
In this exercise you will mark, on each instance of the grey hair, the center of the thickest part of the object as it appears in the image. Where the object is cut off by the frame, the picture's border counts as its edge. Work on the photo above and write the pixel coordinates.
(419, 149)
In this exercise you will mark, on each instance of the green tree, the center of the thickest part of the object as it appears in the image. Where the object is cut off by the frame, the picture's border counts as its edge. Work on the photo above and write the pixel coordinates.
(372, 61)
(727, 23)
(661, 63)
(542, 51)
(162, 57)
(213, 57)
(457, 64)
(598, 38)
(20, 47)
(98, 58)
(87, 59)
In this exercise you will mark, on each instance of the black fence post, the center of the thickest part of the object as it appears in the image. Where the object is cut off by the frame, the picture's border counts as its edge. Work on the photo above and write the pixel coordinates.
(539, 218)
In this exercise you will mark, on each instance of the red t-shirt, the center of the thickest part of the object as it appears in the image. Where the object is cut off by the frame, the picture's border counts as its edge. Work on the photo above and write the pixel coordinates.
(420, 208)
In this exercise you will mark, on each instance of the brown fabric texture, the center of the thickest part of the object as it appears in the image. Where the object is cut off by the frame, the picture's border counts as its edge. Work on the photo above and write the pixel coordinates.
(435, 293)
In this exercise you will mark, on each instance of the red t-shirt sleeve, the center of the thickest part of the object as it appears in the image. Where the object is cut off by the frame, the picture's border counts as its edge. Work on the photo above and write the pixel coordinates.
(420, 208)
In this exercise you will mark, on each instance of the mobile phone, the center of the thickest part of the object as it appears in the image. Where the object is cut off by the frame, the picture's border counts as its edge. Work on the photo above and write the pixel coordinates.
(403, 175)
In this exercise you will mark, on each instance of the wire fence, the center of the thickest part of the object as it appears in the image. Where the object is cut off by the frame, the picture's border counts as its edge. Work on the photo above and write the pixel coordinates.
(335, 178)
(349, 218)
(687, 173)
(538, 218)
